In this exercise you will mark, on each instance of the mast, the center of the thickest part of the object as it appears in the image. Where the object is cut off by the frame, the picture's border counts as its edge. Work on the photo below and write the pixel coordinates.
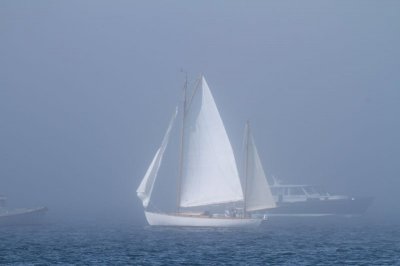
(178, 199)
(246, 163)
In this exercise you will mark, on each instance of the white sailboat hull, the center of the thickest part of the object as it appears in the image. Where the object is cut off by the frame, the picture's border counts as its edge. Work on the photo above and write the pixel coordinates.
(163, 219)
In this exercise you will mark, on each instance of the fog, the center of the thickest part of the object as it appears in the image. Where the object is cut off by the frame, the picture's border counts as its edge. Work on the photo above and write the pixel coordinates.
(87, 89)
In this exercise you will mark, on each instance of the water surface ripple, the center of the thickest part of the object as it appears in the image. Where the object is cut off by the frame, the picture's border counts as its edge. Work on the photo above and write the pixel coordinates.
(273, 243)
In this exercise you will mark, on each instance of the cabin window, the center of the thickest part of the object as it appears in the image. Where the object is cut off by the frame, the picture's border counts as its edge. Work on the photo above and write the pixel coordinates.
(286, 191)
(310, 190)
(296, 191)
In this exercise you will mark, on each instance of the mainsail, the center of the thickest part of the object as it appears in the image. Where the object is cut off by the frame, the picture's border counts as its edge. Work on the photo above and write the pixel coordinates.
(210, 174)
(146, 186)
(258, 195)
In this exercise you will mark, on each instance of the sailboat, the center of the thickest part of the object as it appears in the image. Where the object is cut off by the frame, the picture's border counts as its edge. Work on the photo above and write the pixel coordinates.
(208, 173)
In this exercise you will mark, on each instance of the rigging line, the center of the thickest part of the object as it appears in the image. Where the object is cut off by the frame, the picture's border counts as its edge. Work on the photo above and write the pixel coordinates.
(179, 181)
(247, 135)
(196, 87)
(155, 207)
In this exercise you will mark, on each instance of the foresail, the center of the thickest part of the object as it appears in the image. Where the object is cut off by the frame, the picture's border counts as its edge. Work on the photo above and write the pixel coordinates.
(257, 191)
(210, 174)
(146, 186)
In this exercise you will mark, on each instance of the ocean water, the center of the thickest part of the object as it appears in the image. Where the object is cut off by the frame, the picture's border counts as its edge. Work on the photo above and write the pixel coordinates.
(304, 242)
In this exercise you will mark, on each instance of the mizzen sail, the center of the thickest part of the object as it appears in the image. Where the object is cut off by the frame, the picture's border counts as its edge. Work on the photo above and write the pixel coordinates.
(258, 195)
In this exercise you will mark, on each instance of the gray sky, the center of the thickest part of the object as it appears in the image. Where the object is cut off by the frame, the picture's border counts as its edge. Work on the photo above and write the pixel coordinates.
(87, 89)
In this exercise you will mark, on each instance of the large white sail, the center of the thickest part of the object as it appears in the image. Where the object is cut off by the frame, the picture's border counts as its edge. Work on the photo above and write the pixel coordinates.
(146, 186)
(258, 195)
(210, 174)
